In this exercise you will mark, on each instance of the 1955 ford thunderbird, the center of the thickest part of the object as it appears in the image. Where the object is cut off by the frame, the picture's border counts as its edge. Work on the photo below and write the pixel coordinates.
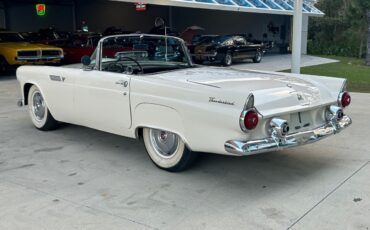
(146, 86)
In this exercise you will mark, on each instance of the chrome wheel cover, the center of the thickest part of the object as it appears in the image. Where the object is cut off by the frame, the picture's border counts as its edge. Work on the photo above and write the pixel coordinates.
(38, 106)
(164, 143)
(258, 56)
(228, 59)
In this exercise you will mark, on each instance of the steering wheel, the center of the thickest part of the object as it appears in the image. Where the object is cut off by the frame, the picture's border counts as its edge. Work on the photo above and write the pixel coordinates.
(141, 70)
(115, 67)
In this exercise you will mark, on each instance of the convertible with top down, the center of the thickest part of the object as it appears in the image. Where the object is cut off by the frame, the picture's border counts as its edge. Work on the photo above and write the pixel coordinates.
(146, 86)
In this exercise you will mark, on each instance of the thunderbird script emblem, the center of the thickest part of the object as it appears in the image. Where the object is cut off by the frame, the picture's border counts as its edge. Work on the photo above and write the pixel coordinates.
(214, 100)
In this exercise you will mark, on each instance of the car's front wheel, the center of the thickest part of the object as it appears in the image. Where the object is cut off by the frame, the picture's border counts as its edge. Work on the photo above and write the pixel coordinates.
(39, 112)
(228, 60)
(258, 57)
(167, 150)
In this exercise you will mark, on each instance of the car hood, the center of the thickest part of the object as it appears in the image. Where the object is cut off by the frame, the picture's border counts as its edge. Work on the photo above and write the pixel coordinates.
(26, 46)
(274, 92)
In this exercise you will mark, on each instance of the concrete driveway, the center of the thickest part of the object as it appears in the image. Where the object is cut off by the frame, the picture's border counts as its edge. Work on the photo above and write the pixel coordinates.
(279, 62)
(78, 178)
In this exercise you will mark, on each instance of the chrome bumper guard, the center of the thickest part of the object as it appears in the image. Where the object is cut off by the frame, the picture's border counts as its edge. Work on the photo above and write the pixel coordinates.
(274, 143)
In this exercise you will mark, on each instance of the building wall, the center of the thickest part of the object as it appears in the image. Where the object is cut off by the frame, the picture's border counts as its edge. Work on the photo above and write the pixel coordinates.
(21, 16)
(2, 16)
(102, 14)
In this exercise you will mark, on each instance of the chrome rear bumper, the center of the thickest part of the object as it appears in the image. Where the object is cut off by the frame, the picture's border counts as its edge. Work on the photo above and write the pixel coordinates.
(274, 143)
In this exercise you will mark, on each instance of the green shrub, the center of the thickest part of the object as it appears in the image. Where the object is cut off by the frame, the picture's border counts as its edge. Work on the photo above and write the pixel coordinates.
(343, 29)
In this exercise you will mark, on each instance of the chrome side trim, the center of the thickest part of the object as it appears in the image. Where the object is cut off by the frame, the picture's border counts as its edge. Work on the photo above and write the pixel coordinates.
(344, 86)
(204, 55)
(274, 143)
(249, 103)
(55, 78)
(194, 82)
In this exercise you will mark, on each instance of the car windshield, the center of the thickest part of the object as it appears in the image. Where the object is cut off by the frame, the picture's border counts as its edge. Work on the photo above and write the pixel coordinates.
(11, 37)
(143, 54)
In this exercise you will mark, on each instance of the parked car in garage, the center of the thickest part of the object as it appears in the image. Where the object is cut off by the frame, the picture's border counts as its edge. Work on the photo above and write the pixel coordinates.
(197, 39)
(226, 50)
(266, 44)
(46, 36)
(78, 45)
(112, 30)
(149, 88)
(14, 51)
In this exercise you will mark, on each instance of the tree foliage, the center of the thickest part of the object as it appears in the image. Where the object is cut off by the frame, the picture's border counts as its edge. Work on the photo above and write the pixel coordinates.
(342, 31)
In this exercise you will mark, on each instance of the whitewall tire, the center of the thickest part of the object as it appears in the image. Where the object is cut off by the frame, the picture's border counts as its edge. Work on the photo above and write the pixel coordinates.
(39, 112)
(167, 150)
(228, 59)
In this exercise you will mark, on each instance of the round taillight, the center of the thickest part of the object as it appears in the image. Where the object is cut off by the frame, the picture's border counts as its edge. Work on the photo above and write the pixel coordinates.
(345, 99)
(251, 120)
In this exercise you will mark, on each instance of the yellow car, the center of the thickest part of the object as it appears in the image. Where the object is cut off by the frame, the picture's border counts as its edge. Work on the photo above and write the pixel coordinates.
(15, 51)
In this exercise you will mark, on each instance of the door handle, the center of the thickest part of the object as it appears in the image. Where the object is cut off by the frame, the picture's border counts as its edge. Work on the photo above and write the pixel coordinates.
(123, 83)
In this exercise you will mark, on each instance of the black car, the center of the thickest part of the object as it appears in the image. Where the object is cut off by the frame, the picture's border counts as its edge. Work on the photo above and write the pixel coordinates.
(45, 36)
(226, 49)
(115, 30)
(266, 44)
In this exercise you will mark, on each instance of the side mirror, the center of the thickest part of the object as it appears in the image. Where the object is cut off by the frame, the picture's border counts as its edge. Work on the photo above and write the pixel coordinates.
(86, 60)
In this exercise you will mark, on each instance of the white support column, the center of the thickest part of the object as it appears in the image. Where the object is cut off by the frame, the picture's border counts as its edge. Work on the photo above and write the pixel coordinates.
(305, 22)
(297, 36)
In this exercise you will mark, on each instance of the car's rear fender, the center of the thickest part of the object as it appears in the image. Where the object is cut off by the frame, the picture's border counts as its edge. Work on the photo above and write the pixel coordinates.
(159, 117)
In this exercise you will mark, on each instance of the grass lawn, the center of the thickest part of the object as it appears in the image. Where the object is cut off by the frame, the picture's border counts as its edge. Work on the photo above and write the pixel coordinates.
(355, 70)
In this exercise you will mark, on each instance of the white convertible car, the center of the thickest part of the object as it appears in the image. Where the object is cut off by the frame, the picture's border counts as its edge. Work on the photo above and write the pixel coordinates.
(145, 86)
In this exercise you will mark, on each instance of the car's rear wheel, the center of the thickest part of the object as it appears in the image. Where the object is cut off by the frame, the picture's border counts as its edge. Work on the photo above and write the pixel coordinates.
(258, 57)
(167, 150)
(228, 60)
(39, 112)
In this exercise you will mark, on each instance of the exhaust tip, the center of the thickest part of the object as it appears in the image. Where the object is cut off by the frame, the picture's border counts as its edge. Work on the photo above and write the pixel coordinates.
(336, 112)
(280, 127)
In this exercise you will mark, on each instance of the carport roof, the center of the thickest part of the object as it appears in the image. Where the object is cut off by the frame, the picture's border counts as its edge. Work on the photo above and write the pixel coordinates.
(284, 7)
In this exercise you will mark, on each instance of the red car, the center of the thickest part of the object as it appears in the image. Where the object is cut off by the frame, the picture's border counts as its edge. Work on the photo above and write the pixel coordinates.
(80, 44)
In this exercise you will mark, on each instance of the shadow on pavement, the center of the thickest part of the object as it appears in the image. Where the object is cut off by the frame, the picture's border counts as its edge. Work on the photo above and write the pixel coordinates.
(8, 76)
(263, 171)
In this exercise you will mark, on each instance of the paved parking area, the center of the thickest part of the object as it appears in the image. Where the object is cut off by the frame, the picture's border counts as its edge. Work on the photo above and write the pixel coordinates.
(78, 178)
(278, 62)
